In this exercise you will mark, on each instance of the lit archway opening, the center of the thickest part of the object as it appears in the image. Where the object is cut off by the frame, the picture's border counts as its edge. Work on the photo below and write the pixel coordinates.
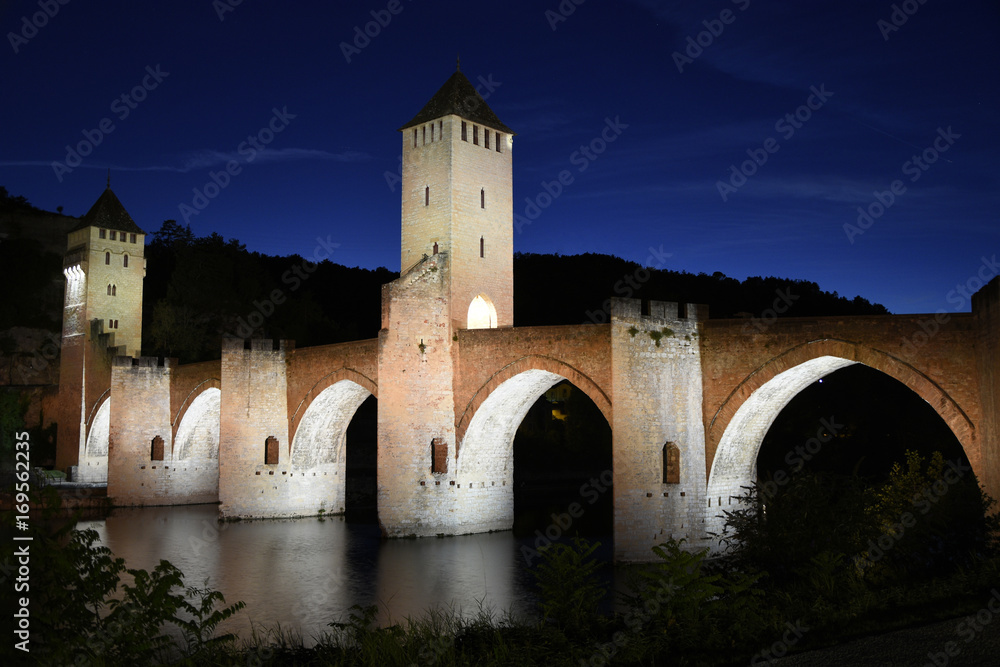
(100, 430)
(198, 434)
(321, 435)
(735, 462)
(482, 313)
(485, 463)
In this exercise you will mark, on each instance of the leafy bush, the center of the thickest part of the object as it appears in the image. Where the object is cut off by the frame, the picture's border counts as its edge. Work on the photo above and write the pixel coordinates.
(569, 591)
(77, 617)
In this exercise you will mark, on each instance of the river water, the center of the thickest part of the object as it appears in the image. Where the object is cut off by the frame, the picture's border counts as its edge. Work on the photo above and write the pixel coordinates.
(304, 573)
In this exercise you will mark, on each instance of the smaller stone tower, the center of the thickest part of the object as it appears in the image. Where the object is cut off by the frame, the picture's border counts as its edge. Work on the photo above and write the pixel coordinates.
(104, 267)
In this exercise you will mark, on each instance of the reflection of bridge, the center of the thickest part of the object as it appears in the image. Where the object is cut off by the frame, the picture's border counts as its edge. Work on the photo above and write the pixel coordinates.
(688, 399)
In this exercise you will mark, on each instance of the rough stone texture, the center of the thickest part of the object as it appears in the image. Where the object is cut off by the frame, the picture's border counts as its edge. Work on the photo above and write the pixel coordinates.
(189, 470)
(489, 357)
(749, 375)
(88, 341)
(416, 403)
(986, 311)
(656, 380)
(253, 408)
(459, 174)
(84, 389)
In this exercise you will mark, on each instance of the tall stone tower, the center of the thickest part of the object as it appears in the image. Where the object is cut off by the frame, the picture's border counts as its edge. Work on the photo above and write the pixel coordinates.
(456, 273)
(457, 200)
(104, 267)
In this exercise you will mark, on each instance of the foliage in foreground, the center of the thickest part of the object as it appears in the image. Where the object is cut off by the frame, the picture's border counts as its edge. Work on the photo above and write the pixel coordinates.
(78, 616)
(802, 573)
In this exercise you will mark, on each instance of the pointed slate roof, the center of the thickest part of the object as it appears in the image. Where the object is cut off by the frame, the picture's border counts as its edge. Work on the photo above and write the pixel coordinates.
(458, 96)
(109, 213)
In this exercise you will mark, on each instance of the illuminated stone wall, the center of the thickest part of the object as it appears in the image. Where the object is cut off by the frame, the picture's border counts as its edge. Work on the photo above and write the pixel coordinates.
(458, 195)
(657, 383)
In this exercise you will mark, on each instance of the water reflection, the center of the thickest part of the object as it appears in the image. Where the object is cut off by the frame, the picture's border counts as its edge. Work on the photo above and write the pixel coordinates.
(303, 573)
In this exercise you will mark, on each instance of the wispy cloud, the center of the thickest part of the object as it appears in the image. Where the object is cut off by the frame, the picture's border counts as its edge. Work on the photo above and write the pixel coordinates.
(208, 159)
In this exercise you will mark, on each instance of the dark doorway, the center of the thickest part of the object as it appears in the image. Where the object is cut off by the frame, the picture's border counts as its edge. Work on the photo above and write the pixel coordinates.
(362, 454)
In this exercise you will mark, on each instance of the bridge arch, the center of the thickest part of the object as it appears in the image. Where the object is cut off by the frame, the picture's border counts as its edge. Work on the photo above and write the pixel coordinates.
(197, 435)
(557, 369)
(484, 462)
(99, 430)
(196, 392)
(320, 425)
(738, 427)
(321, 385)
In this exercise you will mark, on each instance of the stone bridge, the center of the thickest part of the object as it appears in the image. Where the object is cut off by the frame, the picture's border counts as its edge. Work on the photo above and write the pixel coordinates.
(263, 430)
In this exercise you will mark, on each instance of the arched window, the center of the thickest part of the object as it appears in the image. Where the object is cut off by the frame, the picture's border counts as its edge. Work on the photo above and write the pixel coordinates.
(156, 449)
(109, 290)
(482, 314)
(482, 247)
(125, 261)
(482, 198)
(427, 196)
(107, 258)
(114, 290)
(271, 451)
(671, 464)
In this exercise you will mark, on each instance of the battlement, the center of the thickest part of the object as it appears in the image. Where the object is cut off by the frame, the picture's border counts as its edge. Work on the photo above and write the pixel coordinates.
(257, 345)
(664, 310)
(125, 362)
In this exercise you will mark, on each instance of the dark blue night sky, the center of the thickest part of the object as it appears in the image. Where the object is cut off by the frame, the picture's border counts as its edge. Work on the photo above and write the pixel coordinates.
(737, 136)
